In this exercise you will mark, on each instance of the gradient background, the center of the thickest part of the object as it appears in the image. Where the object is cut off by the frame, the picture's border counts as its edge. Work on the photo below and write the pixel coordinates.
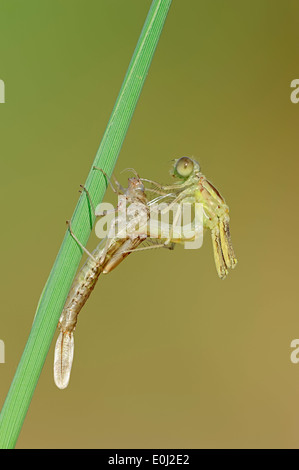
(167, 355)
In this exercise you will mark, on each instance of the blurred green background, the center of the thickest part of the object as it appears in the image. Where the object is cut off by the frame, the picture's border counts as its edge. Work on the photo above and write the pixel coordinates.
(167, 355)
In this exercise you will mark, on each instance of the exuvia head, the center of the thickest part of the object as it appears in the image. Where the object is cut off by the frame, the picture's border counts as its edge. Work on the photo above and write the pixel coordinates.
(135, 191)
(136, 184)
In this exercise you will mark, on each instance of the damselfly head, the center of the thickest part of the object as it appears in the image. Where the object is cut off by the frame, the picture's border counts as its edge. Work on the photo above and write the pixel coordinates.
(185, 167)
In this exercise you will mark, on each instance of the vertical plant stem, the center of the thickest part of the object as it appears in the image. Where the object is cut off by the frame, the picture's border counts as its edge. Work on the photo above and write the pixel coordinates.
(56, 289)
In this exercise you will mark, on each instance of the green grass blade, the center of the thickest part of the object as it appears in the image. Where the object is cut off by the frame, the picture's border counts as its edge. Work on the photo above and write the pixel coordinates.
(55, 292)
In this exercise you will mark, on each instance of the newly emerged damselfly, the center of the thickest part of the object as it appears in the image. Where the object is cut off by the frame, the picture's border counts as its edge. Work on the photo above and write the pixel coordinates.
(192, 187)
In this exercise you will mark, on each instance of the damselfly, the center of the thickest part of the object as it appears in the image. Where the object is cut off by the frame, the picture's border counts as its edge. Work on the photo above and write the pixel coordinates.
(193, 187)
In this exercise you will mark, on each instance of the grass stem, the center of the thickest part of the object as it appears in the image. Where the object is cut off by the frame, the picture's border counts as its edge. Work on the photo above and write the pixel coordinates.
(60, 279)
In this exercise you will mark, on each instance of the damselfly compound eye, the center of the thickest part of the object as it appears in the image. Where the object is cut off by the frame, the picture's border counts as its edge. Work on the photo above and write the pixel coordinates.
(184, 167)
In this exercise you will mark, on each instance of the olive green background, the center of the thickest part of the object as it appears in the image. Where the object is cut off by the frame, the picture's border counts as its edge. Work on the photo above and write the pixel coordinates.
(166, 355)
